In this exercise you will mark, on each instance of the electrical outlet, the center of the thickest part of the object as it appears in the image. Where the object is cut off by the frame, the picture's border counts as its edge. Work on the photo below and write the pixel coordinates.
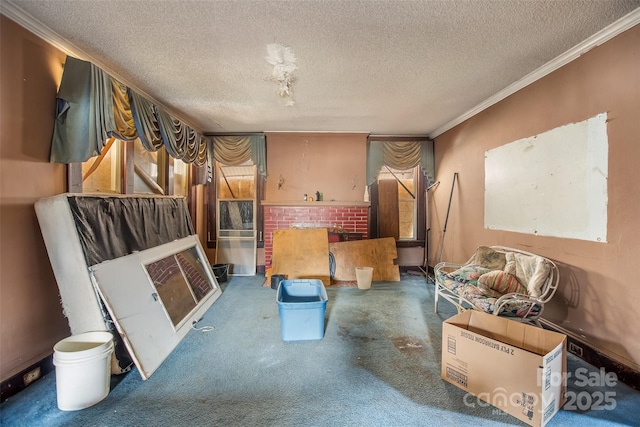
(31, 376)
(575, 349)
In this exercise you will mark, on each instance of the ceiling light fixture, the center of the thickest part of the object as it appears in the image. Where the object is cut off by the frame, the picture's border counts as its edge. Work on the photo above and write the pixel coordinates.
(284, 64)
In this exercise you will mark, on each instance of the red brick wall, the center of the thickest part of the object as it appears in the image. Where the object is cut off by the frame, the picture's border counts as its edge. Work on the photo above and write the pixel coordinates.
(350, 218)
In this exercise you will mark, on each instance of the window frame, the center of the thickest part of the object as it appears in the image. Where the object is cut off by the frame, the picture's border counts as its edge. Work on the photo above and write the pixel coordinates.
(165, 173)
(420, 193)
(126, 159)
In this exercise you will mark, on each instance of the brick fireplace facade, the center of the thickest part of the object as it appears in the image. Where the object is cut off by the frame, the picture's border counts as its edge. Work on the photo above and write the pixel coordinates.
(351, 218)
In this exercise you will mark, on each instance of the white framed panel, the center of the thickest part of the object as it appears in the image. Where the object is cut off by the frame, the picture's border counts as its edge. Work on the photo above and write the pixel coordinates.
(133, 301)
(551, 184)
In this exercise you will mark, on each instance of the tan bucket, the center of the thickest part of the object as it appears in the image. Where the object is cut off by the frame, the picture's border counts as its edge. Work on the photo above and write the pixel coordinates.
(364, 275)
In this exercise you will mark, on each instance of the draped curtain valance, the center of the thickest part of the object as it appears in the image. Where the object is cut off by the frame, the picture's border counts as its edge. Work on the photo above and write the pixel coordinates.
(93, 106)
(399, 155)
(85, 113)
(180, 140)
(234, 150)
(146, 123)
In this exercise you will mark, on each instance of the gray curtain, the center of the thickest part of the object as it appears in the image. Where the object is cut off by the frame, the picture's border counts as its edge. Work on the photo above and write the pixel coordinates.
(180, 140)
(92, 107)
(157, 128)
(146, 123)
(233, 150)
(85, 116)
(399, 155)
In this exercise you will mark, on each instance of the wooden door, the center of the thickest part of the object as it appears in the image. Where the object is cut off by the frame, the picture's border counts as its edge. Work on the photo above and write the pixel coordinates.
(388, 211)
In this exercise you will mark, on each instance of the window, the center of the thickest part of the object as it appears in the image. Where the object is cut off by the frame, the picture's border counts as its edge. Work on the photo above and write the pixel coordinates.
(128, 168)
(397, 193)
(181, 282)
(146, 174)
(236, 182)
(102, 174)
(180, 177)
(404, 184)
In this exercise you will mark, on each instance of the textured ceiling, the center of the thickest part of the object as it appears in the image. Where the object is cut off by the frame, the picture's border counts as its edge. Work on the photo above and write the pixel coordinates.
(384, 67)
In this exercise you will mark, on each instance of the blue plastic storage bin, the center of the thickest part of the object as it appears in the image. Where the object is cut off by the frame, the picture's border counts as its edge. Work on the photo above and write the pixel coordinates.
(301, 305)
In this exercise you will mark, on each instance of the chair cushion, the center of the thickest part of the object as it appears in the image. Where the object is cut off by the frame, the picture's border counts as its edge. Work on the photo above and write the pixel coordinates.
(497, 283)
(461, 280)
(489, 258)
(453, 285)
(468, 273)
(533, 271)
(513, 308)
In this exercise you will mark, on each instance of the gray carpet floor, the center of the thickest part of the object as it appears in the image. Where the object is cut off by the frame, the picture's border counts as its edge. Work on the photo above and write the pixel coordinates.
(377, 365)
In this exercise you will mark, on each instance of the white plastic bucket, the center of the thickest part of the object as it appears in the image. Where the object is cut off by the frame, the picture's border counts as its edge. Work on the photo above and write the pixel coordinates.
(83, 369)
(364, 275)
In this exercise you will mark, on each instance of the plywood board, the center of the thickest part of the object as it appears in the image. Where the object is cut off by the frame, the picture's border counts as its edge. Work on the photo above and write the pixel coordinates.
(377, 253)
(301, 254)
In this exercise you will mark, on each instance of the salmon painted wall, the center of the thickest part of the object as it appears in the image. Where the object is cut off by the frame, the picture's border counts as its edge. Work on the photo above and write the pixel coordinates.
(599, 295)
(332, 163)
(31, 319)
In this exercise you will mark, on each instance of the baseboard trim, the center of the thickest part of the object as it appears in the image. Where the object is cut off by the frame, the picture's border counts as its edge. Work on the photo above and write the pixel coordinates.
(25, 378)
(593, 356)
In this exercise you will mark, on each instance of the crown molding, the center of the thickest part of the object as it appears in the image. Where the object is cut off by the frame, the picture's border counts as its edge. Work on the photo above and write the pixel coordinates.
(623, 24)
(28, 22)
(25, 20)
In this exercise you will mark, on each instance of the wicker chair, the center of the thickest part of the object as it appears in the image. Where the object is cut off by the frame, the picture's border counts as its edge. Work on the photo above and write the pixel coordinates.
(501, 281)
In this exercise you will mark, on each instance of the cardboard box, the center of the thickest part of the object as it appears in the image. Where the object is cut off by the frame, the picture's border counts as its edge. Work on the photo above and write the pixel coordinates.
(513, 366)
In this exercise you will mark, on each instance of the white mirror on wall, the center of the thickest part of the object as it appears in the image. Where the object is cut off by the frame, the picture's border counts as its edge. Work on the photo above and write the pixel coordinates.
(155, 295)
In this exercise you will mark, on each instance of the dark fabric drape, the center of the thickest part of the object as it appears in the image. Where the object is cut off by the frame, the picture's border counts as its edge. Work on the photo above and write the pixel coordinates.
(92, 107)
(157, 128)
(72, 141)
(112, 227)
(202, 158)
(144, 117)
(177, 137)
(72, 115)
